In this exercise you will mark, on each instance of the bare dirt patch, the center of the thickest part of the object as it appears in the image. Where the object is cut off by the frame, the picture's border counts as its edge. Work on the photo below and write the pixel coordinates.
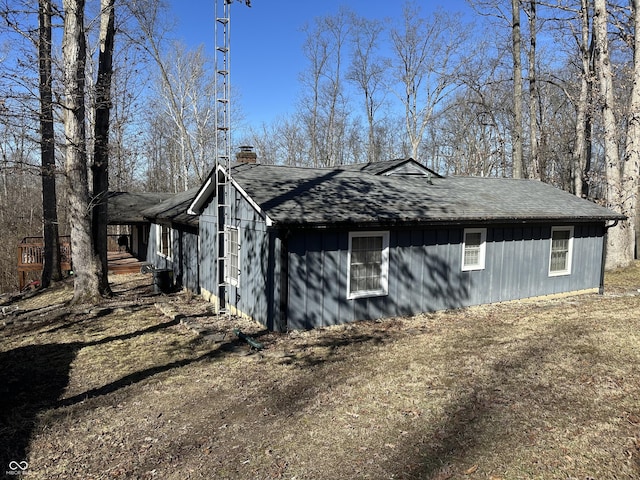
(149, 386)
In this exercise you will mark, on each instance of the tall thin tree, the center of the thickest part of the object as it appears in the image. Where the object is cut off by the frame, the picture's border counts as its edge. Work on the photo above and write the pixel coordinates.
(51, 261)
(581, 155)
(517, 136)
(367, 73)
(631, 160)
(100, 167)
(535, 163)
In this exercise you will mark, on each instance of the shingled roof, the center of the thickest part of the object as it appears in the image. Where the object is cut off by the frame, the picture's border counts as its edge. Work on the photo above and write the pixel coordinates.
(327, 197)
(174, 209)
(126, 207)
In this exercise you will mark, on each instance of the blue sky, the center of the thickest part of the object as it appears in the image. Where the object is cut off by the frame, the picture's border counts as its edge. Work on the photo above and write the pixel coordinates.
(266, 43)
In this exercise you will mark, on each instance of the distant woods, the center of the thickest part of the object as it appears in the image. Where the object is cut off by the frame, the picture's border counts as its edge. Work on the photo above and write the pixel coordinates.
(513, 88)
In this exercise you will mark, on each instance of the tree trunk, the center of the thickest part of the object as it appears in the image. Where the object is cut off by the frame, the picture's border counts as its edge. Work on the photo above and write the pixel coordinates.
(51, 261)
(620, 239)
(85, 264)
(582, 150)
(100, 167)
(516, 38)
(535, 164)
(631, 165)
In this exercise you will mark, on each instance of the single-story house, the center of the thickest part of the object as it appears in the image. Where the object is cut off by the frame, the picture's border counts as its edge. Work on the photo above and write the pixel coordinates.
(298, 248)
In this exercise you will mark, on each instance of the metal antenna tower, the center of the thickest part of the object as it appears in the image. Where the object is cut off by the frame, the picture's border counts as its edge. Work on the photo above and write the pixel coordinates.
(224, 195)
(223, 145)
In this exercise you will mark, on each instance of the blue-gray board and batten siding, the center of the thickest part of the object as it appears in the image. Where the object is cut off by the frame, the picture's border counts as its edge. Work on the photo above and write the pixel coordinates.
(257, 293)
(425, 272)
(425, 269)
(184, 255)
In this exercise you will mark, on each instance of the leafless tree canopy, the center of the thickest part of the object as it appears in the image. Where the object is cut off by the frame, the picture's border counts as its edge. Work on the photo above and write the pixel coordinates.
(551, 94)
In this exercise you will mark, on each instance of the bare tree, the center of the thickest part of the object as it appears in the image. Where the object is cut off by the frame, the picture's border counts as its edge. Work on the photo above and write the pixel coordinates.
(100, 167)
(367, 72)
(186, 89)
(158, 144)
(631, 161)
(620, 175)
(25, 92)
(318, 54)
(85, 264)
(325, 104)
(518, 131)
(584, 124)
(185, 84)
(427, 54)
(535, 168)
(51, 254)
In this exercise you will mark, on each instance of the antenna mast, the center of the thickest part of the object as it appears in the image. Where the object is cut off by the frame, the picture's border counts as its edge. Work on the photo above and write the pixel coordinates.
(224, 197)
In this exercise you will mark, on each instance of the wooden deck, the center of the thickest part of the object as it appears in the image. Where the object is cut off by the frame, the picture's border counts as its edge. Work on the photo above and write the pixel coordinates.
(123, 262)
(30, 257)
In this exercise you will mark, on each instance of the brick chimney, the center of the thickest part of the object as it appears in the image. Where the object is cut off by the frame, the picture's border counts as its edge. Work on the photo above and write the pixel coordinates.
(246, 155)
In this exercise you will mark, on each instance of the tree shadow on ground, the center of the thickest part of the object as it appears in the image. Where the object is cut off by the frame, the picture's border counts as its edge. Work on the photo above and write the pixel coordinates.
(324, 361)
(432, 449)
(33, 378)
(462, 429)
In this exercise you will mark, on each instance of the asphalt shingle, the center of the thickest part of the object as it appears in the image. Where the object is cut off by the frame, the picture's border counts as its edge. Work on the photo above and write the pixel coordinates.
(174, 210)
(127, 207)
(323, 197)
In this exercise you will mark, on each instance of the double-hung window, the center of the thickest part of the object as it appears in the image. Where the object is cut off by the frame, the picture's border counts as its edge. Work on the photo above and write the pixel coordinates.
(233, 256)
(561, 251)
(368, 264)
(473, 248)
(164, 240)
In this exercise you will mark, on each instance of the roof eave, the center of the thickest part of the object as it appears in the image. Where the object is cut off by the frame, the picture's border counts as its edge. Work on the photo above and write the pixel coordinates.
(202, 197)
(386, 223)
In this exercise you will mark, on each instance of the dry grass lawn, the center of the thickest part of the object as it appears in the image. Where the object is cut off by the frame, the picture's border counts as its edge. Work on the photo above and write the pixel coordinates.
(544, 389)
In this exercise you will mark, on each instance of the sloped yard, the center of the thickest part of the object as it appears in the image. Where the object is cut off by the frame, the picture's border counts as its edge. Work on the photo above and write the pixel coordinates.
(546, 389)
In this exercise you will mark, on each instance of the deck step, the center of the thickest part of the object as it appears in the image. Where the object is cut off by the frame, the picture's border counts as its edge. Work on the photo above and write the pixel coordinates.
(121, 269)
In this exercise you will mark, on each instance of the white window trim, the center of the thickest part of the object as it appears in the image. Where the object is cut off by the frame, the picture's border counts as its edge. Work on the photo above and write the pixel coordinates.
(159, 242)
(384, 273)
(483, 248)
(566, 271)
(231, 280)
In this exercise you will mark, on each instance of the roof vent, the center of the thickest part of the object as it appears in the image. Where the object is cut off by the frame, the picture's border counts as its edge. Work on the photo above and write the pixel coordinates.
(246, 154)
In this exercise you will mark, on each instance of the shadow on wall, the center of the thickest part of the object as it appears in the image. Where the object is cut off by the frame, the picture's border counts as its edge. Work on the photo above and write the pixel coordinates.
(424, 275)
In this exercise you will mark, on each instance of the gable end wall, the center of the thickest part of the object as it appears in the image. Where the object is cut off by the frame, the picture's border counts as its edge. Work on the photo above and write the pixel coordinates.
(256, 295)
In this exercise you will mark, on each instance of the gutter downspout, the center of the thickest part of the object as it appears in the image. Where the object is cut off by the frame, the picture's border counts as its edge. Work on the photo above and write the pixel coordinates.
(604, 255)
(283, 320)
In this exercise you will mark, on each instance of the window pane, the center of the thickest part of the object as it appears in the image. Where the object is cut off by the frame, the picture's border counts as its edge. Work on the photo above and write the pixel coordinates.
(233, 248)
(165, 238)
(560, 250)
(473, 239)
(558, 261)
(473, 249)
(471, 256)
(366, 264)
